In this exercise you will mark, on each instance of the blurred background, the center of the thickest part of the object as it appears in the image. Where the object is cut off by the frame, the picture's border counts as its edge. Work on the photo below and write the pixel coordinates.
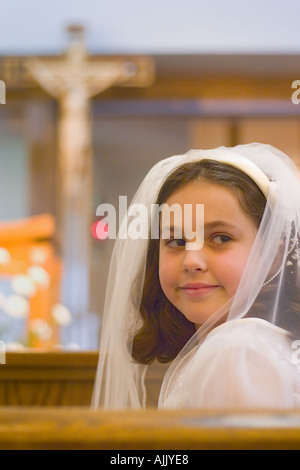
(92, 95)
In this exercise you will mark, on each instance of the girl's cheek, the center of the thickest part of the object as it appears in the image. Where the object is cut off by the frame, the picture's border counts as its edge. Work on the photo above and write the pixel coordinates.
(230, 272)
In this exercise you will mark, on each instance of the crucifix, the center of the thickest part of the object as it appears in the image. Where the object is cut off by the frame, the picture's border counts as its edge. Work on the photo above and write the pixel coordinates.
(73, 80)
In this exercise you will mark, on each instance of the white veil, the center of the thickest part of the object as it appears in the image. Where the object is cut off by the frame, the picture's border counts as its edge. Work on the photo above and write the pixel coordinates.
(270, 275)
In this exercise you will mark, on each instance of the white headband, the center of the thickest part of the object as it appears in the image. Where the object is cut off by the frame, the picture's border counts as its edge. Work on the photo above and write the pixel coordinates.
(247, 167)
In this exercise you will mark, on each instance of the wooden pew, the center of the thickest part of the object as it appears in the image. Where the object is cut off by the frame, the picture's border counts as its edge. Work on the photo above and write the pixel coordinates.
(36, 377)
(48, 378)
(45, 404)
(83, 429)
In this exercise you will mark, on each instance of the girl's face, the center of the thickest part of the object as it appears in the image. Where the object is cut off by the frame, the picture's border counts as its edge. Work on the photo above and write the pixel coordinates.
(199, 281)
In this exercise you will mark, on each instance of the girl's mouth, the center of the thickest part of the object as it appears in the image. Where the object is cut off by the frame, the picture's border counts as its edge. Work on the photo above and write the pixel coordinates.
(197, 290)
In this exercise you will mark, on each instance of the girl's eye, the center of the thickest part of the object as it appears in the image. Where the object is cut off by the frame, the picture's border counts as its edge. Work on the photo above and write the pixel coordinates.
(221, 239)
(176, 243)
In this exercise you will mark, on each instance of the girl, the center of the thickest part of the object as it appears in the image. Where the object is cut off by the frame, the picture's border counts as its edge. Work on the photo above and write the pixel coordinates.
(226, 313)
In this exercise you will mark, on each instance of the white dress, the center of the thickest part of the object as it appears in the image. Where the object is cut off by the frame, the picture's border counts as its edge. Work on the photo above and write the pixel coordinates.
(242, 364)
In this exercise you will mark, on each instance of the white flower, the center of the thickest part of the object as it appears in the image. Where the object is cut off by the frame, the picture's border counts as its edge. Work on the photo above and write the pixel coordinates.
(39, 275)
(41, 328)
(16, 306)
(38, 255)
(61, 315)
(4, 256)
(24, 285)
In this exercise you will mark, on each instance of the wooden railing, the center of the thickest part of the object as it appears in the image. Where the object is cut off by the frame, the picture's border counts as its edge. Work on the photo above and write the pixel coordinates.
(45, 401)
(83, 429)
(47, 378)
(37, 377)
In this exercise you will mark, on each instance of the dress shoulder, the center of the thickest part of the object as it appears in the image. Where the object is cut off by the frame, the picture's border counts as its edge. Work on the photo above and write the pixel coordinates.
(242, 363)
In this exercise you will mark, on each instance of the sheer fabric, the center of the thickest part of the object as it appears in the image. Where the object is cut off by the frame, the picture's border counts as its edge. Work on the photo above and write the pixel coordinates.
(247, 361)
(241, 364)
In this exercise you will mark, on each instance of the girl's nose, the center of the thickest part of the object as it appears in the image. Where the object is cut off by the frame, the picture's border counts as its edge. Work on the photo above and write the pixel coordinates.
(194, 260)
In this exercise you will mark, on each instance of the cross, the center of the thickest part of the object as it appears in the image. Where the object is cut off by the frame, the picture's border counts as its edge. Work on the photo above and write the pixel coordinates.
(73, 80)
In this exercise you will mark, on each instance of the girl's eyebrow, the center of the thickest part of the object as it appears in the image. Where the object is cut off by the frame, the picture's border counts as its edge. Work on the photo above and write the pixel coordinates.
(208, 226)
(217, 223)
(170, 229)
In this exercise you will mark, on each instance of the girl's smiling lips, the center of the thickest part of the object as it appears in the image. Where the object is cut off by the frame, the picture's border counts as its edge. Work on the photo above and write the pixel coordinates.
(197, 289)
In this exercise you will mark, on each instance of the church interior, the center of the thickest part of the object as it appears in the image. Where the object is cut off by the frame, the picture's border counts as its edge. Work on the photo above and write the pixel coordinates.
(79, 128)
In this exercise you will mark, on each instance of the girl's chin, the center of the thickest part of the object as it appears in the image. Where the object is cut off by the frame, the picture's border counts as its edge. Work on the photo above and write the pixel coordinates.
(207, 316)
(198, 320)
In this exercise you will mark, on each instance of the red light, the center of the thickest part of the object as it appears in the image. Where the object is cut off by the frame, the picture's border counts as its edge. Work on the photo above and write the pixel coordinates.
(99, 230)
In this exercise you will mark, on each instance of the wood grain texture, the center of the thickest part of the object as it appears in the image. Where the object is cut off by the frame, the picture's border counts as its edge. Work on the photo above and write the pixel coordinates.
(45, 378)
(82, 429)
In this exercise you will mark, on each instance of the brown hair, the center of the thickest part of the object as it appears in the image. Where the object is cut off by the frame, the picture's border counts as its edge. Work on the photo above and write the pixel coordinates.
(165, 329)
